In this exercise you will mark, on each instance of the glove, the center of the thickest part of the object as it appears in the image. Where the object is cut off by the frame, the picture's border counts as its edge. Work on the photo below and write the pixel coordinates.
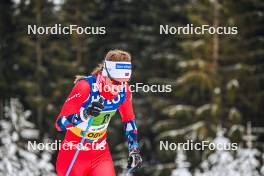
(134, 161)
(94, 110)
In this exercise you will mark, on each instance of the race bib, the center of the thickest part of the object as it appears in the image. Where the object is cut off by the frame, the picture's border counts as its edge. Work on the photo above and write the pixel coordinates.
(98, 128)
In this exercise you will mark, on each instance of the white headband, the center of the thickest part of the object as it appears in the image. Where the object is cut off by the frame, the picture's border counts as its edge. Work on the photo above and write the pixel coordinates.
(117, 69)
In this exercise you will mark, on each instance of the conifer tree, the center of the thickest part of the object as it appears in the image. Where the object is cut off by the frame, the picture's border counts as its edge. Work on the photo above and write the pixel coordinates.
(16, 157)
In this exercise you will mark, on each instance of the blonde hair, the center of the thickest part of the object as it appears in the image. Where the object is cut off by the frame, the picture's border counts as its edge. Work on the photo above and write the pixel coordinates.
(112, 55)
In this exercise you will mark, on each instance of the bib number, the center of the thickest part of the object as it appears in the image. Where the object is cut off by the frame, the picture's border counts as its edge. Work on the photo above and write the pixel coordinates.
(98, 127)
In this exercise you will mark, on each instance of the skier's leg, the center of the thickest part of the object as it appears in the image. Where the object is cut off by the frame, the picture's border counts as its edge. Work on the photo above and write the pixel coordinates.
(65, 157)
(63, 161)
(103, 165)
(105, 168)
(80, 166)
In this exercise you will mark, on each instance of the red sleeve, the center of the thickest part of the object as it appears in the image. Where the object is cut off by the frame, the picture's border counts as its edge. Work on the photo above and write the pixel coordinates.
(74, 101)
(126, 108)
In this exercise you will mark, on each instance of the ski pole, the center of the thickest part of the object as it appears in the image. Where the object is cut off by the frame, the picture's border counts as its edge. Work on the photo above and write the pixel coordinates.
(81, 143)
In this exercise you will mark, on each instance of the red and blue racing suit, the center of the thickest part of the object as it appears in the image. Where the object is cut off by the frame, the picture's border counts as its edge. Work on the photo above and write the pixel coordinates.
(94, 158)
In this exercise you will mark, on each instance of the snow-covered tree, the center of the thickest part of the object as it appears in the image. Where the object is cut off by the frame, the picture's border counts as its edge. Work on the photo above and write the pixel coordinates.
(262, 168)
(221, 162)
(181, 165)
(16, 130)
(246, 162)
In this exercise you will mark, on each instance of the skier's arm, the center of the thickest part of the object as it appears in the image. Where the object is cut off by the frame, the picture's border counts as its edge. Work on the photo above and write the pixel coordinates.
(128, 119)
(126, 110)
(131, 135)
(70, 112)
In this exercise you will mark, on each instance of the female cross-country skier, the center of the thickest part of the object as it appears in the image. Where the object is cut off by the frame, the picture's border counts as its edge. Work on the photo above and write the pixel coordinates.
(108, 80)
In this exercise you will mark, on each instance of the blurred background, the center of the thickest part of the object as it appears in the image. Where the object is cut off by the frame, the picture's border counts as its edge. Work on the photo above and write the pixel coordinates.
(217, 81)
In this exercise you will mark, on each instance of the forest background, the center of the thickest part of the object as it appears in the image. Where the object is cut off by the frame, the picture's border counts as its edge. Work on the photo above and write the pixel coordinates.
(217, 80)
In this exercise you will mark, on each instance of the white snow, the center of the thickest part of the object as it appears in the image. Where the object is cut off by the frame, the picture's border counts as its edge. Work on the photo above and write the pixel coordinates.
(16, 129)
(181, 165)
